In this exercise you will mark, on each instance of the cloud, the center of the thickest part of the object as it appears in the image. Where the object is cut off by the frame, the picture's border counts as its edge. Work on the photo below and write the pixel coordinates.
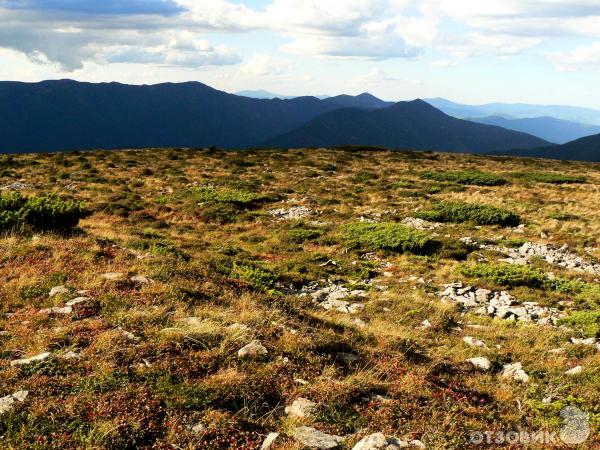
(583, 57)
(144, 7)
(262, 65)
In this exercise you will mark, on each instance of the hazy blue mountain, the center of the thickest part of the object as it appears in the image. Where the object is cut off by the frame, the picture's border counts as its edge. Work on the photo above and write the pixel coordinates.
(68, 115)
(406, 125)
(518, 110)
(262, 94)
(363, 101)
(584, 149)
(548, 128)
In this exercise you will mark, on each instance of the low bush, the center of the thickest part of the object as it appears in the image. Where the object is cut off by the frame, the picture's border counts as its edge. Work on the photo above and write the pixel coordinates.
(586, 321)
(254, 274)
(512, 275)
(386, 236)
(234, 196)
(549, 177)
(473, 177)
(300, 235)
(43, 213)
(478, 214)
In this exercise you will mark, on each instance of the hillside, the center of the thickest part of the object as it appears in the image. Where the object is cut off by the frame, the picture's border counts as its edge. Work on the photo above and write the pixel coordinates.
(584, 149)
(548, 128)
(518, 110)
(362, 101)
(68, 115)
(207, 299)
(407, 125)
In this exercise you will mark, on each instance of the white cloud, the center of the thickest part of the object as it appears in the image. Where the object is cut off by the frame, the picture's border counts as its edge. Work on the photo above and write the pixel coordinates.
(262, 65)
(583, 57)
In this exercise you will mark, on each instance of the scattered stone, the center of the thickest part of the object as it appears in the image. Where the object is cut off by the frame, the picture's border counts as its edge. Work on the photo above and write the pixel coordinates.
(315, 439)
(592, 342)
(141, 279)
(57, 310)
(378, 441)
(501, 305)
(558, 351)
(113, 276)
(7, 403)
(481, 363)
(574, 371)
(4, 333)
(58, 290)
(332, 298)
(294, 213)
(516, 372)
(270, 441)
(426, 324)
(301, 407)
(33, 359)
(72, 355)
(253, 350)
(342, 306)
(77, 301)
(197, 428)
(131, 337)
(561, 256)
(472, 342)
(16, 186)
(420, 224)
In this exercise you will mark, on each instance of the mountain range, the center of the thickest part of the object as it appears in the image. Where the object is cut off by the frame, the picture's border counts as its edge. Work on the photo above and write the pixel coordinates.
(68, 115)
(584, 149)
(407, 125)
(549, 128)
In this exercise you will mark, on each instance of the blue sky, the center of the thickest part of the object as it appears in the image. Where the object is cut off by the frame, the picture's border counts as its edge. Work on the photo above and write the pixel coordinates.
(533, 51)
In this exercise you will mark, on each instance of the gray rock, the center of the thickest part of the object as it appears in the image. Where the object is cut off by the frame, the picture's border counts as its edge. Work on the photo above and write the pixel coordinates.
(113, 276)
(314, 439)
(270, 441)
(481, 363)
(77, 301)
(253, 350)
(58, 290)
(516, 372)
(473, 342)
(57, 310)
(7, 403)
(574, 371)
(33, 359)
(301, 407)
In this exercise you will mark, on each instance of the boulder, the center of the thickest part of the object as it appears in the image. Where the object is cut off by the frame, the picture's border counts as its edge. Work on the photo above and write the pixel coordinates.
(314, 439)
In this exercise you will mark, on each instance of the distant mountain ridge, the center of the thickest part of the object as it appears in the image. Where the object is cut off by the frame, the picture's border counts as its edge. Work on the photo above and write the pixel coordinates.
(69, 115)
(584, 149)
(407, 125)
(518, 111)
(549, 128)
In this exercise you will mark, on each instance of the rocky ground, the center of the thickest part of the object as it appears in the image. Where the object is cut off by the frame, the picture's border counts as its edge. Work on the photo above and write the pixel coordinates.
(299, 299)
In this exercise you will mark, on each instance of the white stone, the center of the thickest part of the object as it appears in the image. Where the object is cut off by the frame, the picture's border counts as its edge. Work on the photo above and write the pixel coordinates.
(58, 290)
(7, 403)
(141, 279)
(301, 407)
(33, 359)
(516, 372)
(113, 276)
(481, 363)
(252, 350)
(315, 439)
(77, 301)
(472, 342)
(269, 441)
(57, 310)
(574, 371)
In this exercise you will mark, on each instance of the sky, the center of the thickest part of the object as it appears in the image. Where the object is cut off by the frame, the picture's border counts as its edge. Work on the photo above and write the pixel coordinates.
(529, 51)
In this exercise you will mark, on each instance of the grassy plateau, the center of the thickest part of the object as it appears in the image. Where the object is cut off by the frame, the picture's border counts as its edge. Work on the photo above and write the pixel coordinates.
(166, 262)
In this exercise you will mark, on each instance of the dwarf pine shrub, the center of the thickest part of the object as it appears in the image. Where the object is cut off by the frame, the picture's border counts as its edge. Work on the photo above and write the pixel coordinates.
(473, 177)
(458, 212)
(234, 196)
(549, 177)
(586, 321)
(43, 213)
(386, 236)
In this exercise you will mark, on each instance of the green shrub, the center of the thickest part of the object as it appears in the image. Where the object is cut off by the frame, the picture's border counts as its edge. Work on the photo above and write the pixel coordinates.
(458, 212)
(254, 274)
(386, 236)
(549, 177)
(299, 235)
(587, 321)
(512, 275)
(509, 275)
(44, 213)
(474, 177)
(234, 196)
